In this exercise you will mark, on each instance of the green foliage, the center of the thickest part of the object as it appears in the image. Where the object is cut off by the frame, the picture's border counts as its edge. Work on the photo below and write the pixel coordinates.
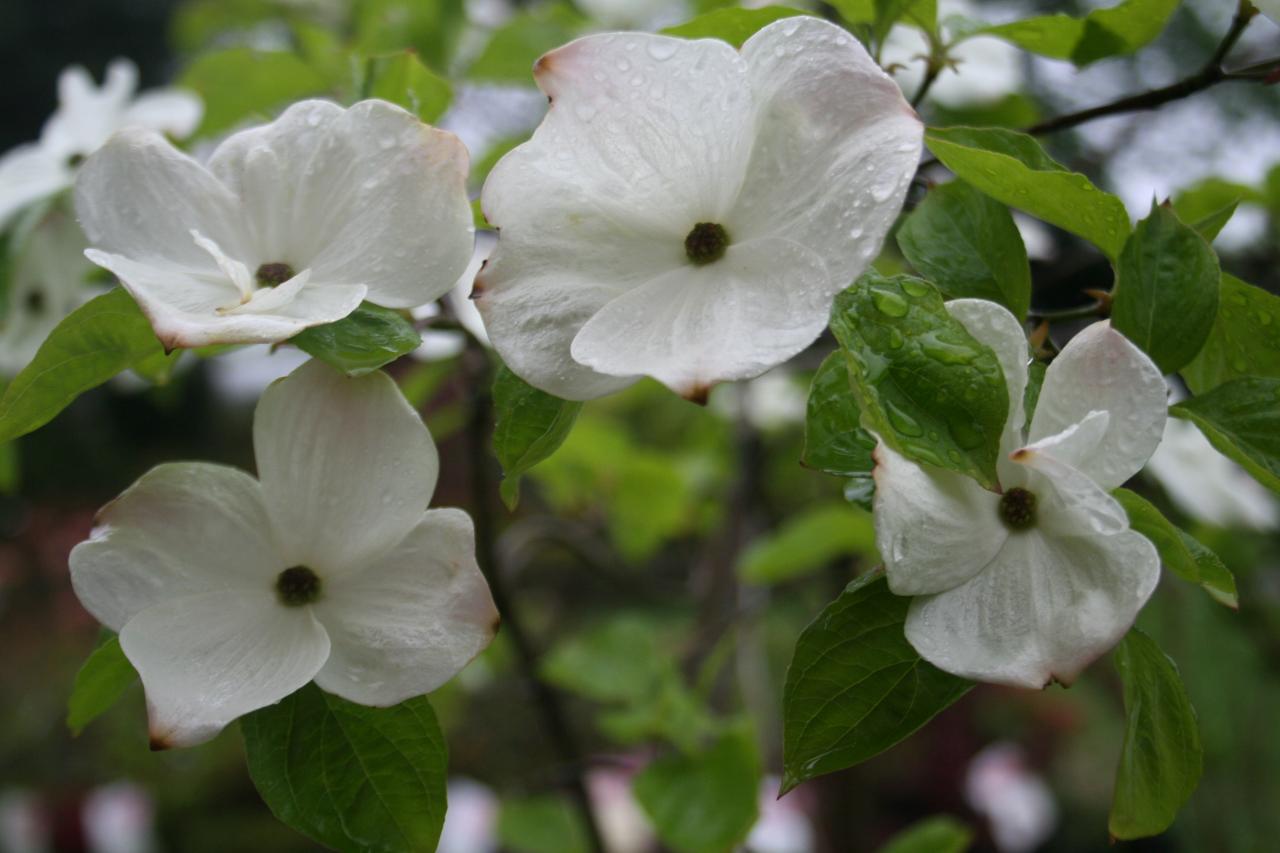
(1179, 552)
(10, 468)
(732, 24)
(531, 425)
(834, 440)
(541, 825)
(856, 686)
(706, 801)
(924, 384)
(1209, 204)
(99, 684)
(1160, 761)
(881, 15)
(1012, 168)
(1244, 341)
(1241, 418)
(516, 45)
(349, 776)
(966, 244)
(807, 542)
(938, 834)
(362, 341)
(1166, 295)
(1114, 31)
(240, 84)
(402, 79)
(430, 27)
(99, 339)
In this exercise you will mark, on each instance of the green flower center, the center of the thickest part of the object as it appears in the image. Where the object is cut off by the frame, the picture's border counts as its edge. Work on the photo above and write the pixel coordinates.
(270, 275)
(297, 586)
(1018, 509)
(706, 243)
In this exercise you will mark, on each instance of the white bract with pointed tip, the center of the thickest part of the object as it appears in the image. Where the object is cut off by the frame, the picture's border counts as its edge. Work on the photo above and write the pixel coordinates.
(86, 116)
(291, 225)
(1033, 584)
(230, 593)
(688, 211)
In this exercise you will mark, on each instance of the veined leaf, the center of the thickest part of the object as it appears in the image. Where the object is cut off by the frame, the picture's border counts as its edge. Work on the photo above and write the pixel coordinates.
(1241, 418)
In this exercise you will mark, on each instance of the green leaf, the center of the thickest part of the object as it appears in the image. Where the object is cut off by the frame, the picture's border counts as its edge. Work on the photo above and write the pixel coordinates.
(856, 686)
(1012, 168)
(241, 84)
(965, 243)
(1160, 761)
(807, 542)
(834, 440)
(516, 45)
(707, 801)
(924, 384)
(361, 342)
(1209, 204)
(1166, 293)
(402, 79)
(531, 425)
(541, 825)
(1035, 382)
(617, 661)
(938, 834)
(99, 683)
(349, 776)
(1179, 552)
(732, 25)
(99, 339)
(1244, 341)
(1118, 30)
(430, 27)
(1241, 419)
(10, 468)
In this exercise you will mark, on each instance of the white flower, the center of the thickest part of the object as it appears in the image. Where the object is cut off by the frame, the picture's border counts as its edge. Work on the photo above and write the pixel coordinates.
(292, 224)
(687, 211)
(1032, 584)
(230, 593)
(438, 344)
(85, 118)
(1017, 803)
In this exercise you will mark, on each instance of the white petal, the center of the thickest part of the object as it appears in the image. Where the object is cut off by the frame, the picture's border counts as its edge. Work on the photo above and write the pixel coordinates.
(176, 112)
(367, 195)
(735, 318)
(234, 270)
(836, 145)
(1074, 446)
(206, 659)
(935, 529)
(995, 326)
(347, 466)
(182, 528)
(1070, 502)
(29, 173)
(46, 284)
(87, 115)
(271, 300)
(1099, 369)
(1044, 609)
(409, 621)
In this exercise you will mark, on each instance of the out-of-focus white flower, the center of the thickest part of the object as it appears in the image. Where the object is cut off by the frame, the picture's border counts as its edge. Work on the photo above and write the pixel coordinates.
(47, 284)
(769, 402)
(687, 211)
(1207, 485)
(1018, 805)
(119, 818)
(485, 114)
(470, 823)
(23, 826)
(623, 824)
(230, 593)
(1032, 583)
(783, 827)
(242, 374)
(85, 118)
(635, 14)
(1036, 237)
(292, 224)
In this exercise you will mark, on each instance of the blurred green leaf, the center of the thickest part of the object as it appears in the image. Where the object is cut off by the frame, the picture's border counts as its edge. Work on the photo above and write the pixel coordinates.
(516, 45)
(706, 801)
(540, 825)
(1160, 761)
(1114, 31)
(349, 776)
(99, 339)
(807, 542)
(531, 425)
(1208, 204)
(1166, 294)
(939, 834)
(99, 684)
(732, 25)
(1241, 418)
(965, 243)
(834, 440)
(240, 84)
(856, 686)
(432, 28)
(1012, 168)
(1179, 552)
(402, 79)
(881, 15)
(926, 386)
(361, 342)
(1244, 341)
(617, 661)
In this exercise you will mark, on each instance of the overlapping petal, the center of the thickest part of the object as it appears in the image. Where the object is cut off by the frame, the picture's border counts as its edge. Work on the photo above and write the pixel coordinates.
(29, 173)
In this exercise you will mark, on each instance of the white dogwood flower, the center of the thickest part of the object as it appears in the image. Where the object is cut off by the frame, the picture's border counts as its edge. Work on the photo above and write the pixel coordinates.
(291, 225)
(86, 116)
(688, 211)
(47, 282)
(1033, 583)
(230, 593)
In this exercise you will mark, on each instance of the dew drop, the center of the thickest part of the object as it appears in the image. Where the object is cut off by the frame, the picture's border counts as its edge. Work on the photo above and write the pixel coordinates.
(663, 49)
(889, 303)
(901, 421)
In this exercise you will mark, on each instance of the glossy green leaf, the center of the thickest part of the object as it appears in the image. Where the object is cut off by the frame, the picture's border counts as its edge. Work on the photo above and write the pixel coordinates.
(856, 686)
(939, 834)
(1012, 168)
(99, 684)
(1179, 552)
(1244, 341)
(531, 425)
(732, 25)
(541, 825)
(1241, 419)
(924, 384)
(361, 342)
(1113, 31)
(402, 79)
(703, 802)
(1166, 294)
(240, 84)
(99, 339)
(516, 45)
(1161, 758)
(349, 776)
(808, 542)
(834, 440)
(966, 244)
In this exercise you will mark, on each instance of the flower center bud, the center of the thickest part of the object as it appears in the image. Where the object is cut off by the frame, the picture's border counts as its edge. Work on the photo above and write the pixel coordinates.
(297, 586)
(706, 243)
(1018, 509)
(270, 275)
